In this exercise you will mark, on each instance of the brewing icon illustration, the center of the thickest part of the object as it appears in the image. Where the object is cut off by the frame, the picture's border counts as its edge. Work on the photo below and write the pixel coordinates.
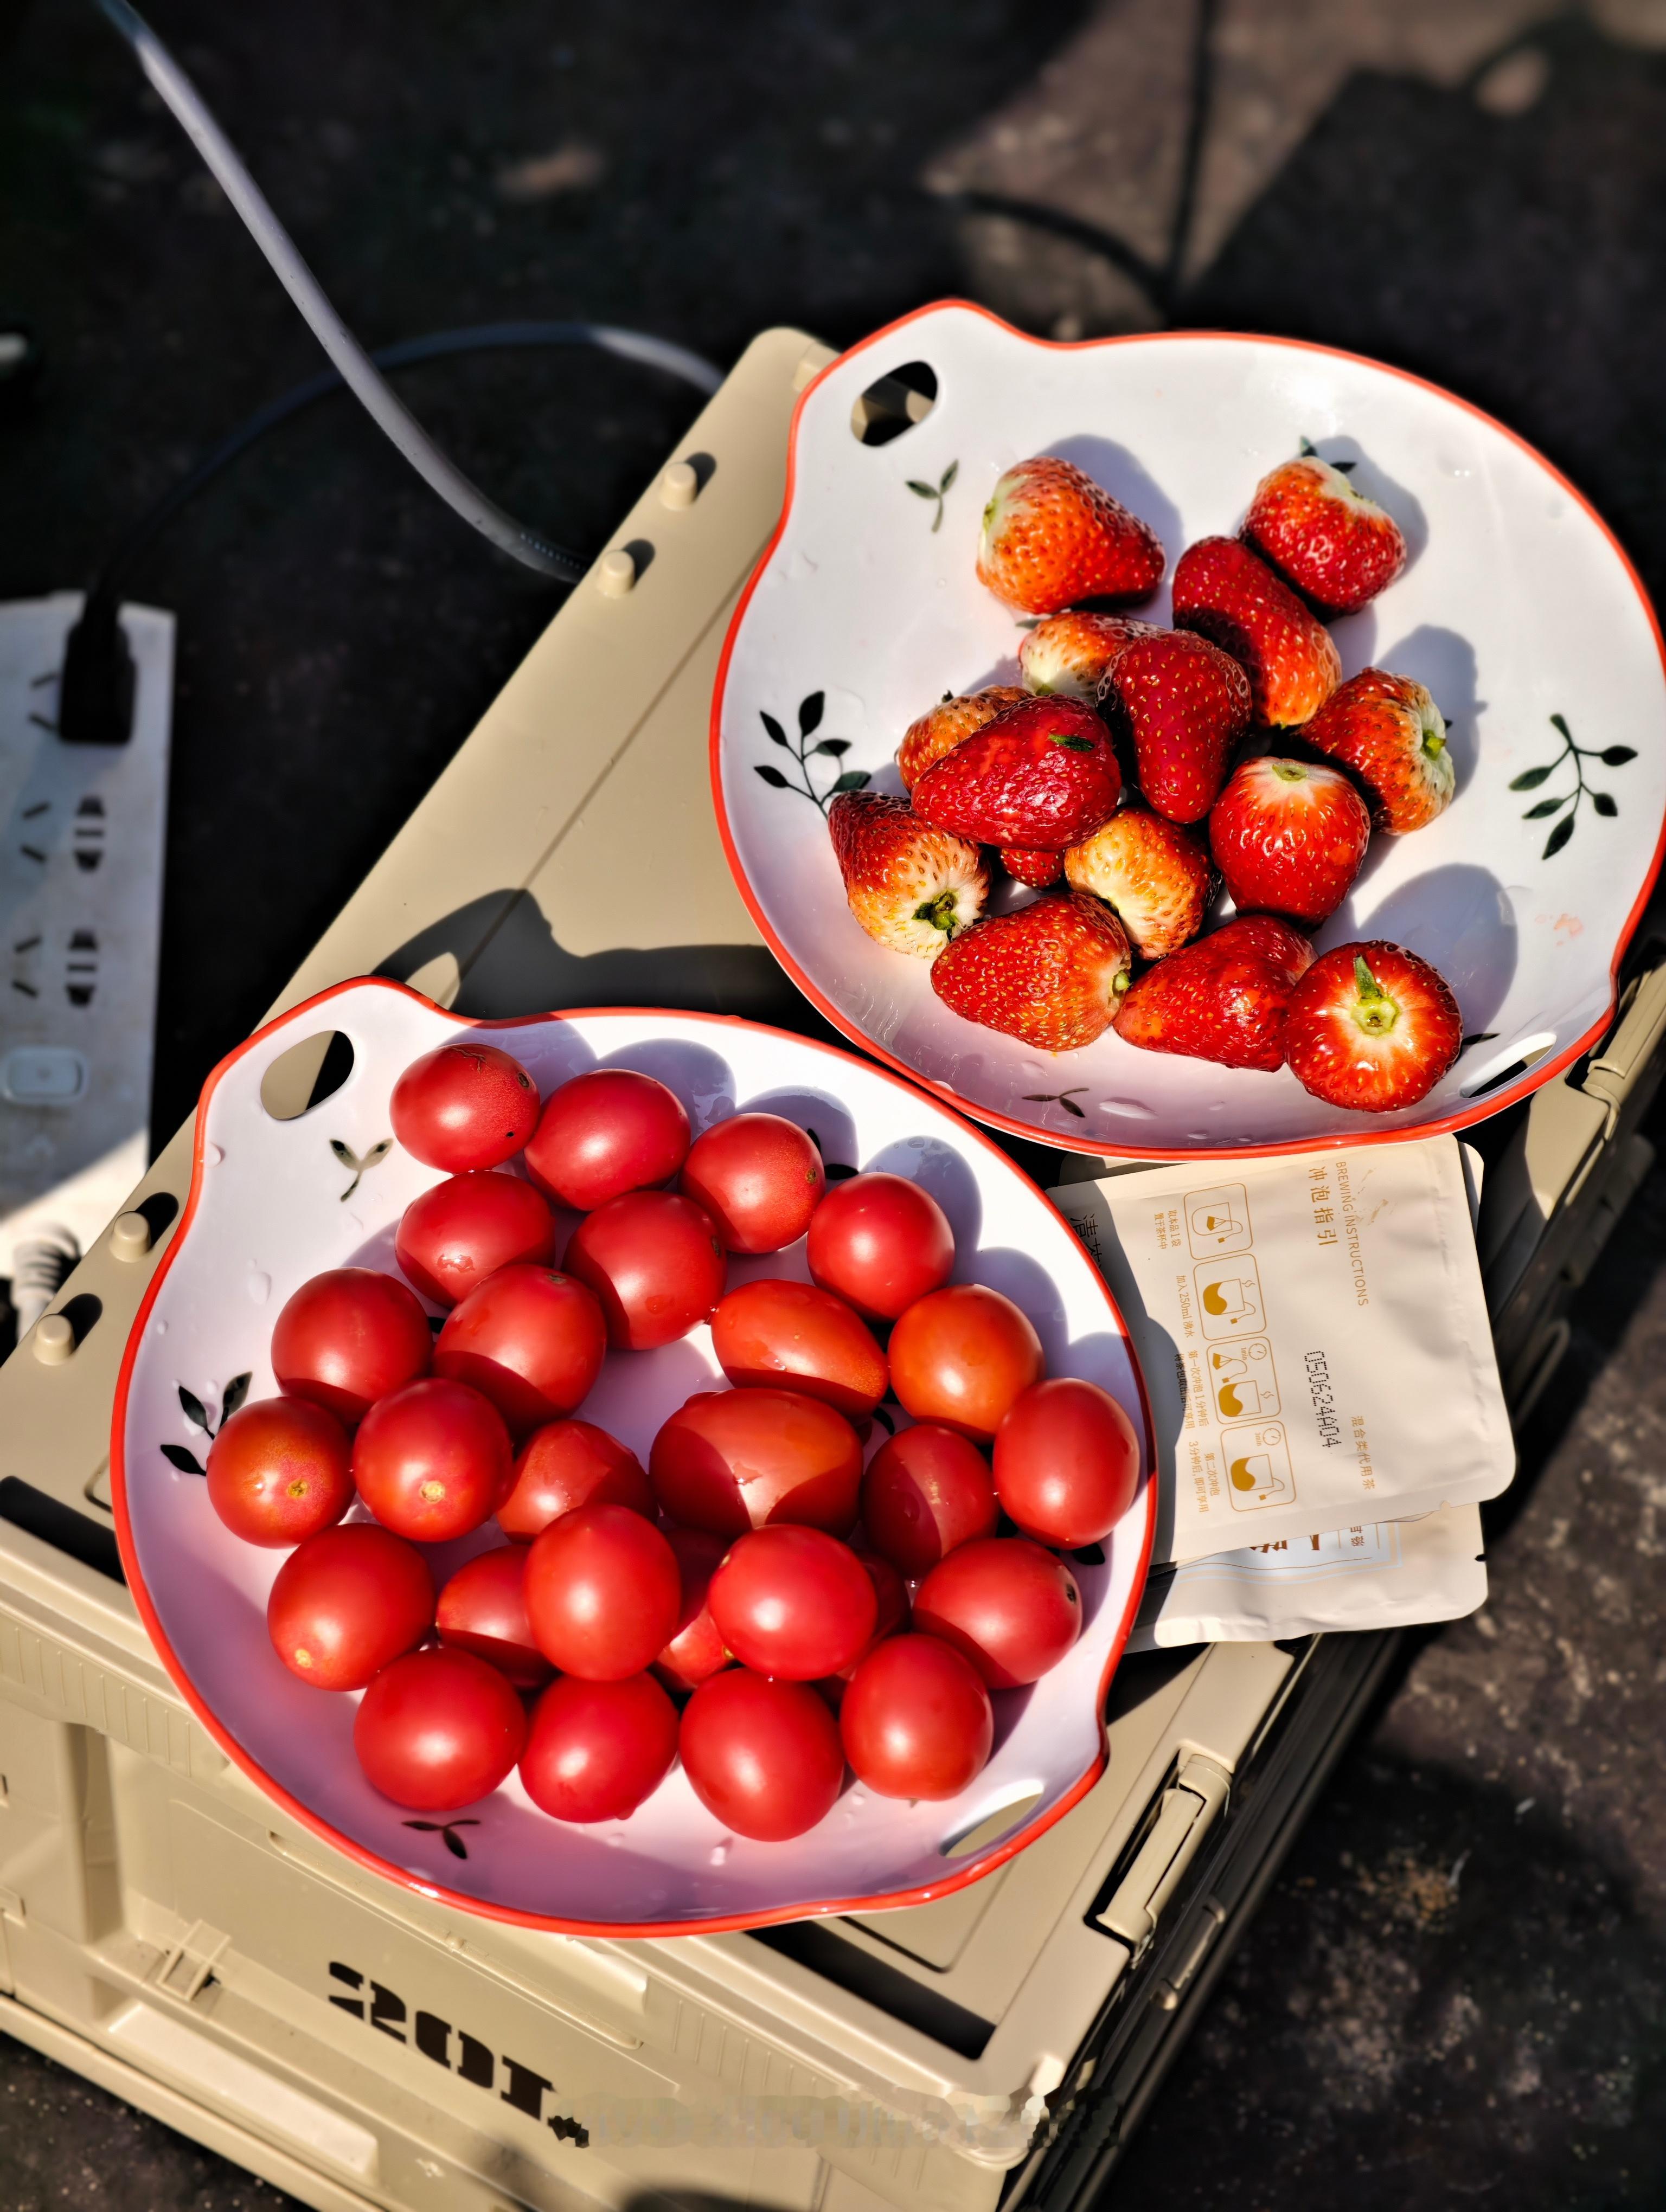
(1258, 1469)
(1231, 1298)
(1218, 1220)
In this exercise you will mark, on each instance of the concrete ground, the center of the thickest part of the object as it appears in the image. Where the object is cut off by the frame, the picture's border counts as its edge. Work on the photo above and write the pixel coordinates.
(1457, 1989)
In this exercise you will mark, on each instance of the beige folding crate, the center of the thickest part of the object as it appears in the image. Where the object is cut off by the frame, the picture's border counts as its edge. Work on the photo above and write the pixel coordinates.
(168, 1931)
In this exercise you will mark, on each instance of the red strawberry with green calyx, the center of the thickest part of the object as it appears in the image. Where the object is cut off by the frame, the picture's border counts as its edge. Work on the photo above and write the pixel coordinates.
(1372, 1027)
(1338, 547)
(1223, 998)
(1228, 594)
(1049, 974)
(1289, 836)
(1037, 779)
(1052, 536)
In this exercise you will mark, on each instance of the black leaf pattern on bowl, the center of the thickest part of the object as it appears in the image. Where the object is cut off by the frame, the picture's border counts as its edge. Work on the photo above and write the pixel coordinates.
(350, 1158)
(198, 1414)
(447, 1831)
(1601, 802)
(810, 710)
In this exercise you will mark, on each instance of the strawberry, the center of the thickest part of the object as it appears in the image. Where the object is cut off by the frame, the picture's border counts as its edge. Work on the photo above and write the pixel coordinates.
(1338, 547)
(1152, 871)
(911, 887)
(946, 725)
(1227, 593)
(1049, 973)
(1051, 537)
(1035, 868)
(1071, 652)
(1222, 998)
(1040, 776)
(1186, 704)
(1389, 732)
(1372, 1027)
(1289, 838)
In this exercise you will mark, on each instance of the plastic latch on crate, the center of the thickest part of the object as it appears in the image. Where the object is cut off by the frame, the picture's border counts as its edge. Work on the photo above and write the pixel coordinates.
(1188, 1808)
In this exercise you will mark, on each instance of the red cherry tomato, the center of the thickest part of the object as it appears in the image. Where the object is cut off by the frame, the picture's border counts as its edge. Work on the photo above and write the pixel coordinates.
(880, 1242)
(1013, 1609)
(917, 1720)
(962, 1357)
(483, 1610)
(733, 1460)
(346, 1602)
(278, 1472)
(463, 1105)
(432, 1462)
(759, 1177)
(602, 1592)
(794, 1603)
(596, 1749)
(531, 1339)
(696, 1651)
(604, 1133)
(467, 1227)
(765, 1757)
(925, 1491)
(349, 1337)
(890, 1602)
(566, 1464)
(796, 1337)
(438, 1730)
(654, 1263)
(1066, 1462)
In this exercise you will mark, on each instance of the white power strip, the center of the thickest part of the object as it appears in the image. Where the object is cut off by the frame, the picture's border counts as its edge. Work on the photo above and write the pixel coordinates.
(81, 903)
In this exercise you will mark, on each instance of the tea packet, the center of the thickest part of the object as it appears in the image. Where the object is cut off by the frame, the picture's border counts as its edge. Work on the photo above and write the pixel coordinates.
(1391, 1574)
(1313, 1336)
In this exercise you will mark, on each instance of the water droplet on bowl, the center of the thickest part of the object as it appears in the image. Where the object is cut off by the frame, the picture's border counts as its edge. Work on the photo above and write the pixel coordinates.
(1130, 1106)
(720, 1854)
(260, 1286)
(212, 1156)
(159, 1328)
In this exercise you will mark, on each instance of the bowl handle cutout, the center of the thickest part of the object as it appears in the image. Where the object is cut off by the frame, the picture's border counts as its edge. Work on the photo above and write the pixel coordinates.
(305, 1074)
(994, 1823)
(1505, 1065)
(893, 404)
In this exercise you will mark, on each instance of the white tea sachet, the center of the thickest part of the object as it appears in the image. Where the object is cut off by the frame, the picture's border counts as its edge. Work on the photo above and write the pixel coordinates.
(1313, 1336)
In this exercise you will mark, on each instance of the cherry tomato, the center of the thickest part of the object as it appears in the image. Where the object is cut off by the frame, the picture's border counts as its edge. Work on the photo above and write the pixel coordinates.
(604, 1133)
(917, 1720)
(569, 1463)
(483, 1610)
(962, 1356)
(463, 1105)
(765, 1757)
(596, 1749)
(890, 1602)
(278, 1471)
(880, 1242)
(467, 1227)
(759, 1177)
(925, 1491)
(438, 1730)
(792, 1602)
(432, 1462)
(346, 1602)
(654, 1263)
(794, 1336)
(696, 1650)
(1011, 1607)
(349, 1337)
(602, 1592)
(733, 1460)
(531, 1339)
(1066, 1462)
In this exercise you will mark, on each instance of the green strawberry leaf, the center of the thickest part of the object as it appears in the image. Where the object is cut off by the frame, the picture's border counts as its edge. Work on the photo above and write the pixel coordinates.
(177, 1455)
(1617, 756)
(810, 711)
(1072, 744)
(853, 779)
(1531, 780)
(1559, 836)
(778, 736)
(1544, 807)
(837, 746)
(1603, 802)
(772, 776)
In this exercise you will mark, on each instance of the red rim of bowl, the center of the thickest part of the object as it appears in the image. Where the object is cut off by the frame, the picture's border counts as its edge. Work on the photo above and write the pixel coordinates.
(1532, 1079)
(717, 1924)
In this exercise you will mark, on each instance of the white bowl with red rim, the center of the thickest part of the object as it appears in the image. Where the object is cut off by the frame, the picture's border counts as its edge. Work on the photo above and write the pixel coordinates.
(273, 1202)
(1516, 607)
